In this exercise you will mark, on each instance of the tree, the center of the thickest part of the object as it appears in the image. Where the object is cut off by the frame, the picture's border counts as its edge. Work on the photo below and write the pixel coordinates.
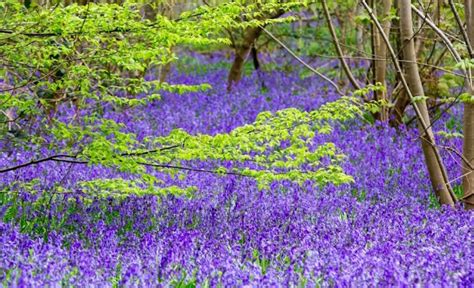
(249, 36)
(434, 164)
(414, 90)
(380, 55)
(340, 53)
(468, 145)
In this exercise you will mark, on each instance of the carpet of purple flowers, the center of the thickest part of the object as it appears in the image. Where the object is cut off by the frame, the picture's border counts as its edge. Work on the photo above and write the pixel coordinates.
(382, 230)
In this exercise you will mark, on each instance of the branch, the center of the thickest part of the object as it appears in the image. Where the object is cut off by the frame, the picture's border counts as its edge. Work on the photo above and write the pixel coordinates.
(463, 158)
(338, 48)
(441, 34)
(151, 151)
(451, 49)
(302, 61)
(191, 169)
(80, 32)
(58, 157)
(165, 166)
(168, 166)
(34, 162)
(461, 26)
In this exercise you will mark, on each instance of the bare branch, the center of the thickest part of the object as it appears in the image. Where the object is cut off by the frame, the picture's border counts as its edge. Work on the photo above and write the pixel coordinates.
(345, 67)
(302, 61)
(438, 31)
(58, 158)
(461, 27)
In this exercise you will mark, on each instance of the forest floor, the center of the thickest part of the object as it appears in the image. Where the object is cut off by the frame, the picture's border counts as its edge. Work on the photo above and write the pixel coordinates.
(384, 229)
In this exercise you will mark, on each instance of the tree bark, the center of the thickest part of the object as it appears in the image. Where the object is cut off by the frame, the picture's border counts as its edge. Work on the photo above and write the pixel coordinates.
(241, 53)
(399, 97)
(359, 35)
(168, 11)
(402, 101)
(339, 51)
(468, 119)
(373, 40)
(436, 169)
(380, 55)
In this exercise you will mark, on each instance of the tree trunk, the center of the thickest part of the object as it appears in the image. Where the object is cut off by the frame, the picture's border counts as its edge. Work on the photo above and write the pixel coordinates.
(468, 145)
(399, 97)
(402, 101)
(359, 35)
(436, 169)
(373, 40)
(167, 9)
(380, 50)
(241, 53)
(340, 53)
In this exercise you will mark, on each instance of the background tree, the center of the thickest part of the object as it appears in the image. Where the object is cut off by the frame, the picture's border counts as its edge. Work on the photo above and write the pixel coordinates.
(468, 181)
(435, 166)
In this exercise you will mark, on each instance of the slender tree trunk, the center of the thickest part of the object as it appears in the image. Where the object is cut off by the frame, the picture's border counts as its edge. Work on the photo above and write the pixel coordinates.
(339, 51)
(359, 35)
(399, 96)
(402, 101)
(380, 49)
(436, 169)
(341, 19)
(241, 54)
(468, 145)
(373, 41)
(167, 9)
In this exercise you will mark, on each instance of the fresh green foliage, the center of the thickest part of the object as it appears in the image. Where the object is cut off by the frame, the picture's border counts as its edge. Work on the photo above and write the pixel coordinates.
(278, 144)
(64, 66)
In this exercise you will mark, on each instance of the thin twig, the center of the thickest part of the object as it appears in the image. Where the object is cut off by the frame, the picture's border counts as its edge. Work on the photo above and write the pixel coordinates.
(302, 61)
(345, 67)
(461, 27)
(59, 156)
(34, 162)
(438, 31)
